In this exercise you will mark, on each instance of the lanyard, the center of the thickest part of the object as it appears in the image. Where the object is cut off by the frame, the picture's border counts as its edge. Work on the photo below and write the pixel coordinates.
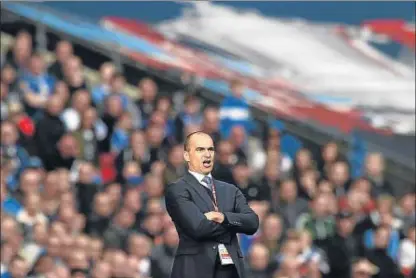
(214, 194)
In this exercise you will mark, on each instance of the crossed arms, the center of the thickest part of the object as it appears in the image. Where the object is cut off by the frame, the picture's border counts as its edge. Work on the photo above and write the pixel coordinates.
(211, 225)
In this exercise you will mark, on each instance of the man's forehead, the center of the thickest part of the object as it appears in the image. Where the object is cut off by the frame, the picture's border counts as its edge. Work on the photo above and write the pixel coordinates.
(201, 141)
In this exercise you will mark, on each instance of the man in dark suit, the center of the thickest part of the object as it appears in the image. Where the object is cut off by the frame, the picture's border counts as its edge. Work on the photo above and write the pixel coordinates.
(207, 214)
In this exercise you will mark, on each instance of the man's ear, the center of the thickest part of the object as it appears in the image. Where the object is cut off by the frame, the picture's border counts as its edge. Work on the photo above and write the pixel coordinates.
(186, 156)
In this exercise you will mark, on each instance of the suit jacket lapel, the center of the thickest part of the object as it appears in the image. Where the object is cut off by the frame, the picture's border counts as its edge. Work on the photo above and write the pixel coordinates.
(199, 190)
(221, 194)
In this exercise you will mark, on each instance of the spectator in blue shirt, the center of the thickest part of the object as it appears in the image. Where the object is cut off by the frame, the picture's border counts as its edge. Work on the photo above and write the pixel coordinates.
(37, 85)
(11, 152)
(235, 110)
(103, 89)
(9, 205)
(117, 86)
(120, 138)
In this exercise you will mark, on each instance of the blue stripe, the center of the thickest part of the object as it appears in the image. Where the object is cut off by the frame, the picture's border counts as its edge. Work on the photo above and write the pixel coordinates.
(87, 31)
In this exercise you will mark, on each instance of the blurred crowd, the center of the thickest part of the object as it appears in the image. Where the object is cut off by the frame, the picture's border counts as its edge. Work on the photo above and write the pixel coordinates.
(84, 167)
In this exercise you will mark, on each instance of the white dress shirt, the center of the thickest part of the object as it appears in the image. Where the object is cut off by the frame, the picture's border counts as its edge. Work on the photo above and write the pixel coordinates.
(200, 177)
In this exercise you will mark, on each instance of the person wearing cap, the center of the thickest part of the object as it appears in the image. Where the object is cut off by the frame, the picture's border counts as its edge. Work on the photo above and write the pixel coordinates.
(363, 268)
(342, 247)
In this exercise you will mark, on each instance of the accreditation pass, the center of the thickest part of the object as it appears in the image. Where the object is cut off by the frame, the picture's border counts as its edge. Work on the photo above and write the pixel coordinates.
(225, 257)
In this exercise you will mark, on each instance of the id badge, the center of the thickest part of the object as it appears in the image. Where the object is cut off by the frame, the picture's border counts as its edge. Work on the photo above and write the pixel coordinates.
(225, 257)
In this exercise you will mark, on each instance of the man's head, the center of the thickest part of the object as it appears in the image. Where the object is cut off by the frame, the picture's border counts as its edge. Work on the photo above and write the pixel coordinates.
(320, 206)
(345, 223)
(81, 101)
(339, 173)
(211, 119)
(288, 190)
(374, 164)
(37, 64)
(107, 71)
(124, 219)
(133, 200)
(225, 152)
(303, 159)
(382, 236)
(101, 270)
(238, 136)
(175, 156)
(9, 134)
(139, 245)
(18, 268)
(330, 152)
(363, 268)
(259, 257)
(192, 105)
(272, 227)
(199, 152)
(63, 51)
(55, 105)
(237, 88)
(117, 83)
(148, 89)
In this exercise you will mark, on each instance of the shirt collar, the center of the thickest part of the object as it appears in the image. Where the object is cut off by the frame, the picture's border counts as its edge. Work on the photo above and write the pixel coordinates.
(200, 176)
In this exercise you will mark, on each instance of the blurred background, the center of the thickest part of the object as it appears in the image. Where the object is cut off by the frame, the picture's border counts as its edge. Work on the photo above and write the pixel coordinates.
(311, 106)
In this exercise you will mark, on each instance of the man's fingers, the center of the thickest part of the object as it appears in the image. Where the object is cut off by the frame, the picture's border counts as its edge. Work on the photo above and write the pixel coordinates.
(209, 215)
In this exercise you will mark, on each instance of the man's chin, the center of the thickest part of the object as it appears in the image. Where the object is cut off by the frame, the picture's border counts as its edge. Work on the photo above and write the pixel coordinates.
(206, 171)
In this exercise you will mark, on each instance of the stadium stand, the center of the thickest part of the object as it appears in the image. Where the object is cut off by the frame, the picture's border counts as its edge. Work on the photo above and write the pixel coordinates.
(82, 178)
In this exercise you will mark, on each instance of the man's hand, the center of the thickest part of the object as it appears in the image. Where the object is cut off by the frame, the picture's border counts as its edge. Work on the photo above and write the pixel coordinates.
(215, 216)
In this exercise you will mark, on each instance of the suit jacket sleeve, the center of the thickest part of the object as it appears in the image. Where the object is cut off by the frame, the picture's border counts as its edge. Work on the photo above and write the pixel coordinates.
(188, 216)
(243, 220)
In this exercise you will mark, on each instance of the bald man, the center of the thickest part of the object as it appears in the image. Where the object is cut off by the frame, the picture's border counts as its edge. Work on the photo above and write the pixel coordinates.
(208, 214)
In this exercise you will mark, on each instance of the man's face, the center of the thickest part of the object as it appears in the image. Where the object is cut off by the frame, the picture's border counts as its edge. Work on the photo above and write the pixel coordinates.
(200, 154)
(288, 190)
(101, 270)
(118, 84)
(18, 268)
(346, 225)
(63, 51)
(211, 119)
(37, 65)
(8, 134)
(237, 90)
(320, 206)
(175, 157)
(382, 238)
(259, 257)
(272, 228)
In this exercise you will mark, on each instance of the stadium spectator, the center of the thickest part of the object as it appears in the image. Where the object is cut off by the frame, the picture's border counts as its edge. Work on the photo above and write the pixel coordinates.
(234, 110)
(82, 183)
(63, 52)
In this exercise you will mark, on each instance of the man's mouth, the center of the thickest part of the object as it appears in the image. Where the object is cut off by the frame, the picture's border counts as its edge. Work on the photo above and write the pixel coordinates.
(206, 163)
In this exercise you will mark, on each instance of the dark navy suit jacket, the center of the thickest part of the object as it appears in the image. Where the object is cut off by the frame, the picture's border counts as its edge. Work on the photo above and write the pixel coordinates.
(186, 203)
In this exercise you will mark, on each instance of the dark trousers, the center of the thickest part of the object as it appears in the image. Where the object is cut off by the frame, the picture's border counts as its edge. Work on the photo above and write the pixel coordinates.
(225, 271)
